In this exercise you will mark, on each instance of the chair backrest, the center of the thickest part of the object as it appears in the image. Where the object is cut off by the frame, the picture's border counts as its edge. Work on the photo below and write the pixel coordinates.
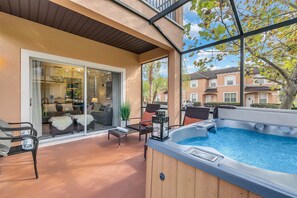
(195, 114)
(152, 108)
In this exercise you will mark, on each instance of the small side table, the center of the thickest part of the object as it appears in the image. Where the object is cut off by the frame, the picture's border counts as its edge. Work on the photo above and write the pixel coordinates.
(119, 134)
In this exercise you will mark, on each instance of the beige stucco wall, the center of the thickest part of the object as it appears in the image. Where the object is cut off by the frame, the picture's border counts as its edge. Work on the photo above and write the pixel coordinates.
(17, 34)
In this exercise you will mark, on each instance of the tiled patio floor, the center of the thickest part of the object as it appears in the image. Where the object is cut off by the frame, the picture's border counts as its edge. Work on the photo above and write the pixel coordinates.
(93, 167)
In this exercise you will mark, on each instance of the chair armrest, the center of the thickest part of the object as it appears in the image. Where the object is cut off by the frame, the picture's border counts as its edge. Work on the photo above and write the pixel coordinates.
(13, 123)
(144, 121)
(23, 137)
(134, 118)
(32, 130)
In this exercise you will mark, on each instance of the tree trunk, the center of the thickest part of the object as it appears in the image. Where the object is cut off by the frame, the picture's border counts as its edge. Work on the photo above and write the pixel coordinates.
(289, 97)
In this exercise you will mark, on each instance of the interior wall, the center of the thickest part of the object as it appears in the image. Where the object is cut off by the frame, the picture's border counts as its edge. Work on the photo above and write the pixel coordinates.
(17, 34)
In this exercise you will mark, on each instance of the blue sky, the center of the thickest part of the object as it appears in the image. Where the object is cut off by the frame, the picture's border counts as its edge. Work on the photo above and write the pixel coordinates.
(194, 19)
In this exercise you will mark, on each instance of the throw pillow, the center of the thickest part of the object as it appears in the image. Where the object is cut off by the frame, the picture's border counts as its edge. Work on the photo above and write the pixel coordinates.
(188, 120)
(147, 116)
(96, 106)
(59, 107)
(102, 108)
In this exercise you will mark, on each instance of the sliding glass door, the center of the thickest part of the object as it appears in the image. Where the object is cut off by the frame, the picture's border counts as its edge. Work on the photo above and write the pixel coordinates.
(60, 93)
(103, 99)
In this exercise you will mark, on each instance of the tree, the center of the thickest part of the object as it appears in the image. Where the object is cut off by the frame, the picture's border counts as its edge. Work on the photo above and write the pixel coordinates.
(153, 82)
(273, 52)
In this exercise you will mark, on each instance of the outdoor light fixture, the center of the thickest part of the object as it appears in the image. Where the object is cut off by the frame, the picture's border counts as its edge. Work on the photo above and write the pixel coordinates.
(160, 129)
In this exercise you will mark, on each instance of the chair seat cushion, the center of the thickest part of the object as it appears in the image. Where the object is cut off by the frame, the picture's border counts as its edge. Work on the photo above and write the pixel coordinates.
(188, 120)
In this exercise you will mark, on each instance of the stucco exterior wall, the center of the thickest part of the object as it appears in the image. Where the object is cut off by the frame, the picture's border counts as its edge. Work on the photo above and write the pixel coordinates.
(17, 34)
(203, 84)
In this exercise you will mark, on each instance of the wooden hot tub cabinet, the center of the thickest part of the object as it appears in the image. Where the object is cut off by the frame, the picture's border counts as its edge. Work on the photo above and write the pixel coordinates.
(184, 181)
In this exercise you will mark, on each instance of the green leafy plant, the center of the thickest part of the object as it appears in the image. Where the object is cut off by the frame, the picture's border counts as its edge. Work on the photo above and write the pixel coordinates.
(125, 111)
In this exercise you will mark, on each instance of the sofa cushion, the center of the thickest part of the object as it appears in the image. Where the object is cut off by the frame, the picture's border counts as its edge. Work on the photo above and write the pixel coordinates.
(49, 108)
(102, 108)
(67, 107)
(96, 106)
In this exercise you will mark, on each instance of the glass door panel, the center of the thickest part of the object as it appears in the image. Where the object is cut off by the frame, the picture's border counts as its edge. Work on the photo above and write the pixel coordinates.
(103, 99)
(57, 93)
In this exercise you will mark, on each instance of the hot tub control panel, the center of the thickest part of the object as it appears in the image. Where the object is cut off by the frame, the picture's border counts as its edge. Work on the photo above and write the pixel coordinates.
(202, 154)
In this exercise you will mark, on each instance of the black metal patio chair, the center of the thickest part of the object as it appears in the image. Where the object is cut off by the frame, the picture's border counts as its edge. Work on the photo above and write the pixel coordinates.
(146, 119)
(194, 114)
(6, 135)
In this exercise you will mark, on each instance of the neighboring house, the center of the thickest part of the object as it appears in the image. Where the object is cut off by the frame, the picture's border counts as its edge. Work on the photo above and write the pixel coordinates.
(223, 85)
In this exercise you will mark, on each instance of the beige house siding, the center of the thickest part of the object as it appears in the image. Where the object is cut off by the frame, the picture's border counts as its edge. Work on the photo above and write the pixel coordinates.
(222, 88)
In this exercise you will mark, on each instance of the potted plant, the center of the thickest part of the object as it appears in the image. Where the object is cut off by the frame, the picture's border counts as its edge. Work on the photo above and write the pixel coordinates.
(125, 111)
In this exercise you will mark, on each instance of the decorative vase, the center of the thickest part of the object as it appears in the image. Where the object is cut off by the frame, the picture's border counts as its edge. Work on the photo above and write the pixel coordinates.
(123, 123)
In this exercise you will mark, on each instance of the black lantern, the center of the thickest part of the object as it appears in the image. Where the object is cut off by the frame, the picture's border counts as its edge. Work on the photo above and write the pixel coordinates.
(160, 129)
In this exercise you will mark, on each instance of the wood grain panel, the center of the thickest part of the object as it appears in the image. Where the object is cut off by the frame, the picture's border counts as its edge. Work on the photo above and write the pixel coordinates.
(149, 165)
(252, 195)
(169, 185)
(185, 180)
(227, 190)
(53, 15)
(206, 185)
(157, 169)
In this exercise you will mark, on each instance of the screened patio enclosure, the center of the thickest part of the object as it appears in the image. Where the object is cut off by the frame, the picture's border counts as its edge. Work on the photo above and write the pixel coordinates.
(235, 51)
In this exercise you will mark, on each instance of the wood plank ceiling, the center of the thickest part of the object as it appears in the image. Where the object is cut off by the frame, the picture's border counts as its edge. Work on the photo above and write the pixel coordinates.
(55, 16)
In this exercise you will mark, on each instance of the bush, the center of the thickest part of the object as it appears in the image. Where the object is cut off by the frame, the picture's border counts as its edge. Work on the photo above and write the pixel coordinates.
(216, 104)
(269, 105)
(266, 105)
(160, 102)
(197, 104)
(125, 111)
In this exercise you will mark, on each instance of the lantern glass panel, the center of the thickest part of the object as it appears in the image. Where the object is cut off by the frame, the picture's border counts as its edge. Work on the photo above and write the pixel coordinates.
(156, 130)
(165, 129)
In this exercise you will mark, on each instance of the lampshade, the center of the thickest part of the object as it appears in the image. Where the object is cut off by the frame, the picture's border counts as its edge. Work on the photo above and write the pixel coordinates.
(94, 100)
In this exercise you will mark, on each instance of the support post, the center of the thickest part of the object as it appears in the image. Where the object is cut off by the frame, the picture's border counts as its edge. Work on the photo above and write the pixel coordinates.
(174, 86)
(242, 47)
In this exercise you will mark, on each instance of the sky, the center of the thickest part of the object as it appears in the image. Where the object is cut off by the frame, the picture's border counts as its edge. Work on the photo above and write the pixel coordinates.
(228, 61)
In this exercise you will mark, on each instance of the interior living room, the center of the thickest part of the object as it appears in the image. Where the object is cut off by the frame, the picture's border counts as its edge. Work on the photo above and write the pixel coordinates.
(58, 95)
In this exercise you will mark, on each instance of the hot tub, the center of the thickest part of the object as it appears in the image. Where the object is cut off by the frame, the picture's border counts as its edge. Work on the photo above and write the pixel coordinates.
(253, 149)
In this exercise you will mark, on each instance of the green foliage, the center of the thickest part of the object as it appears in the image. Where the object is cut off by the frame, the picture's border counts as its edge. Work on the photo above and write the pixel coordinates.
(274, 52)
(125, 111)
(197, 104)
(153, 82)
(216, 104)
(269, 105)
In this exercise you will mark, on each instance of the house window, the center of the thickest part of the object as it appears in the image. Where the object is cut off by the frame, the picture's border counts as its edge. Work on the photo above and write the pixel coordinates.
(194, 83)
(230, 97)
(263, 98)
(213, 83)
(194, 97)
(259, 81)
(166, 97)
(229, 80)
(158, 98)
